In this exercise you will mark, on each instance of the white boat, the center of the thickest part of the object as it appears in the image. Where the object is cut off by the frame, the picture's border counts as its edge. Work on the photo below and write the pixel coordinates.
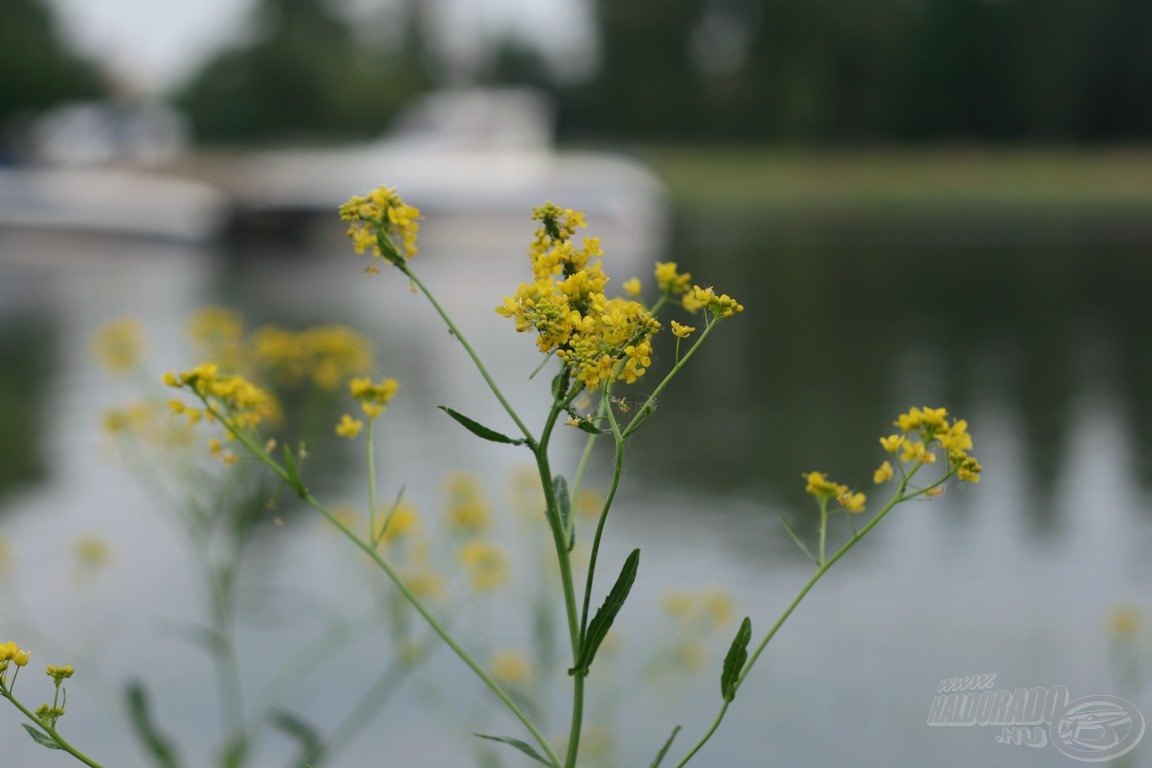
(478, 154)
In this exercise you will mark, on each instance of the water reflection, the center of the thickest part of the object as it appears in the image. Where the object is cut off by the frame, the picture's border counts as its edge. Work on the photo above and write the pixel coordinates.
(1043, 348)
(839, 337)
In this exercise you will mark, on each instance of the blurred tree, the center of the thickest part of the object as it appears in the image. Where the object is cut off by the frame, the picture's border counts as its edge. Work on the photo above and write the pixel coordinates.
(826, 70)
(306, 74)
(37, 69)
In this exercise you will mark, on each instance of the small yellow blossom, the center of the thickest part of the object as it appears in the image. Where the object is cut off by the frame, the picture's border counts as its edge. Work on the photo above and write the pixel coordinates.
(892, 443)
(511, 668)
(404, 522)
(373, 396)
(486, 563)
(883, 474)
(349, 427)
(1125, 621)
(92, 552)
(60, 674)
(632, 287)
(822, 488)
(672, 282)
(119, 346)
(468, 511)
(682, 331)
(721, 306)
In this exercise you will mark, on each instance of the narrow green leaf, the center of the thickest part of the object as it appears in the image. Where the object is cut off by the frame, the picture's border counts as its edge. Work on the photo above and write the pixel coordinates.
(796, 539)
(311, 742)
(564, 507)
(157, 744)
(479, 429)
(734, 661)
(40, 737)
(664, 749)
(602, 621)
(235, 752)
(523, 746)
(585, 425)
(293, 470)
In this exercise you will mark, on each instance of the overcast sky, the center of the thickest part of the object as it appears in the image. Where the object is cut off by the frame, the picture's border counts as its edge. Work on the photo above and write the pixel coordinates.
(154, 43)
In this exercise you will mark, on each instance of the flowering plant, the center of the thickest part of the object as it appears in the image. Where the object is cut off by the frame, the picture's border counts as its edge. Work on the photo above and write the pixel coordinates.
(596, 345)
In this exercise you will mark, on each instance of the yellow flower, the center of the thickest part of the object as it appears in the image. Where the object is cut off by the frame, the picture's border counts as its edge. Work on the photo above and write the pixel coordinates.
(1125, 621)
(374, 219)
(119, 346)
(969, 470)
(59, 674)
(486, 563)
(892, 443)
(349, 427)
(853, 502)
(671, 281)
(373, 396)
(721, 306)
(511, 668)
(632, 287)
(883, 474)
(404, 522)
(682, 331)
(468, 512)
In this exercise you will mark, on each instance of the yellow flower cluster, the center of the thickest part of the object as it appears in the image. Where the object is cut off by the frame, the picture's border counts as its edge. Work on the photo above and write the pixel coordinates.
(486, 563)
(10, 652)
(217, 333)
(469, 512)
(377, 217)
(119, 346)
(326, 355)
(934, 430)
(374, 397)
(60, 674)
(826, 490)
(705, 298)
(238, 401)
(600, 339)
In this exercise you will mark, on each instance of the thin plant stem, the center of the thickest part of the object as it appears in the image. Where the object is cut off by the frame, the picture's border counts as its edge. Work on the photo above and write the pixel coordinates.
(899, 497)
(258, 451)
(467, 348)
(52, 732)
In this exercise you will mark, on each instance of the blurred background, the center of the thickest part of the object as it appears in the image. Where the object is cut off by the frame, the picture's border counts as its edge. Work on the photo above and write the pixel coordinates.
(920, 202)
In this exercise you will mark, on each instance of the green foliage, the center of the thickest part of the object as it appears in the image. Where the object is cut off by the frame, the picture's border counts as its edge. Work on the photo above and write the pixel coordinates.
(303, 75)
(37, 68)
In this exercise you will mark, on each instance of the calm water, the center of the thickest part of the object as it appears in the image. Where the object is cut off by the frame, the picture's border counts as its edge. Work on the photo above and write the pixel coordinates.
(1038, 335)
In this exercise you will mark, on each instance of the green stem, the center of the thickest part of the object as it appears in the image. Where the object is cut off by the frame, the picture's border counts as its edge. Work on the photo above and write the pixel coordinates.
(413, 600)
(577, 720)
(52, 732)
(371, 450)
(416, 603)
(468, 348)
(645, 410)
(823, 568)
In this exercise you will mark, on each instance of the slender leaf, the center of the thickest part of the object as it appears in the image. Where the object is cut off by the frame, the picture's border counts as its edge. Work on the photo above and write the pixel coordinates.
(523, 746)
(587, 426)
(293, 470)
(797, 540)
(664, 749)
(602, 621)
(311, 742)
(734, 661)
(40, 737)
(158, 745)
(479, 429)
(564, 507)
